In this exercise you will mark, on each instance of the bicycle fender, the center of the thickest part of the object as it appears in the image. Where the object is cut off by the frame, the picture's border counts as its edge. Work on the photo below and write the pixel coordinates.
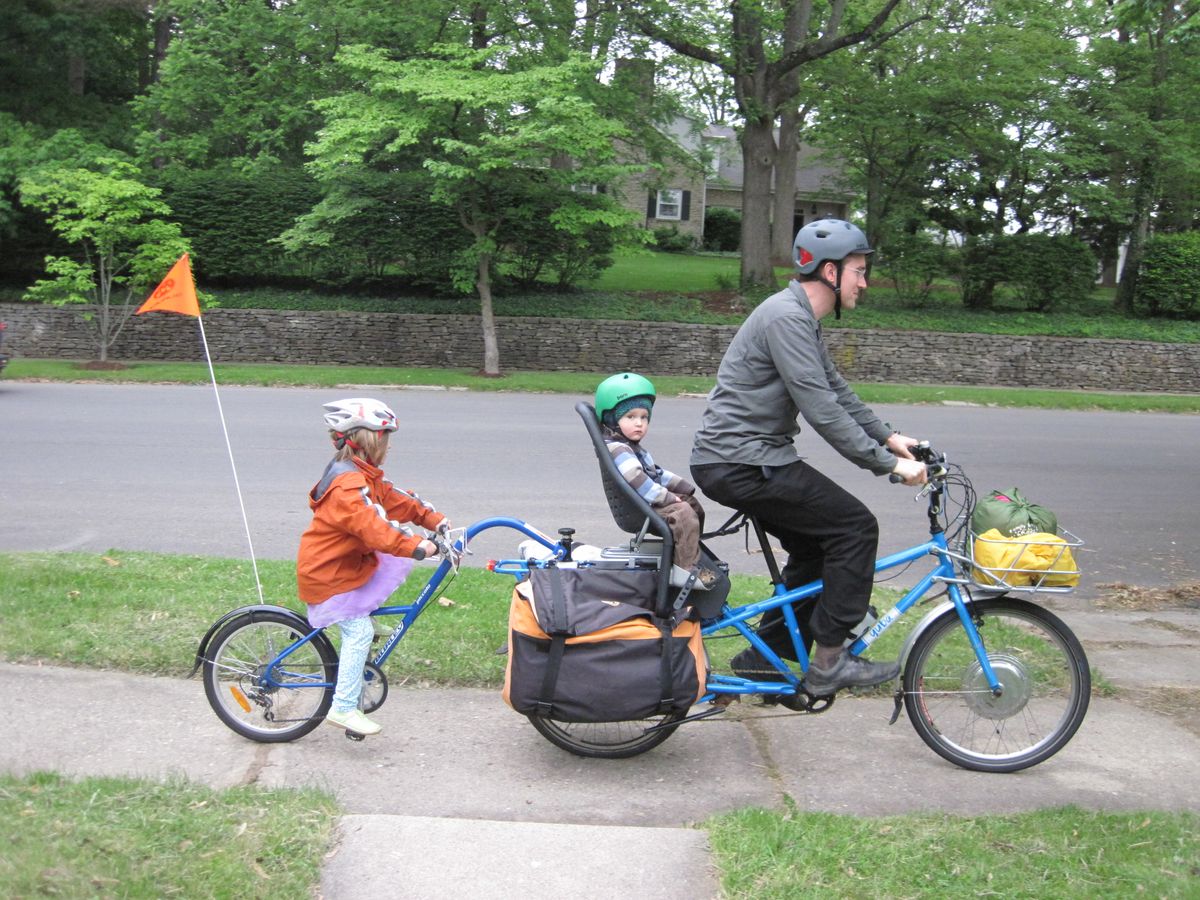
(201, 652)
(937, 612)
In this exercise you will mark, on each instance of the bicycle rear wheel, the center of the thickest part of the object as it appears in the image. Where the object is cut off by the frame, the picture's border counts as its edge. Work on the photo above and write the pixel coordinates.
(1043, 673)
(607, 740)
(236, 684)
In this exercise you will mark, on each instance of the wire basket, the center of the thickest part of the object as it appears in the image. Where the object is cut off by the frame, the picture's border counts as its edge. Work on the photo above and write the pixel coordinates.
(1031, 562)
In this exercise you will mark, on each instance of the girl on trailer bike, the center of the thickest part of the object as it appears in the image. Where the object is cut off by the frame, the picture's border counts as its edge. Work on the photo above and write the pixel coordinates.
(357, 550)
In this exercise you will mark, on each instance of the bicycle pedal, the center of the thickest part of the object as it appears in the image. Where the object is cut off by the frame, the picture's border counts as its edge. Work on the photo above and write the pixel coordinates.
(355, 735)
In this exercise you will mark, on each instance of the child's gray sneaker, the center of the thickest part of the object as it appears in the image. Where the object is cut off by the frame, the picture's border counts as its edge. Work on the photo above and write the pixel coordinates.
(848, 671)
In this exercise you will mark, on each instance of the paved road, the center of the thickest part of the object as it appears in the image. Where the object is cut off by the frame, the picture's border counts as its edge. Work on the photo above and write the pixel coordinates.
(93, 467)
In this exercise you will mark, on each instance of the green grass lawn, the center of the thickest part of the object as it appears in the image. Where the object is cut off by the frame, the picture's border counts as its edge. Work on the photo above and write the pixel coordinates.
(121, 837)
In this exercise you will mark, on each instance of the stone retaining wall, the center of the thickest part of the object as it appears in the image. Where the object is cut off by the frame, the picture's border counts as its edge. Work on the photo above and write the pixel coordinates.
(588, 345)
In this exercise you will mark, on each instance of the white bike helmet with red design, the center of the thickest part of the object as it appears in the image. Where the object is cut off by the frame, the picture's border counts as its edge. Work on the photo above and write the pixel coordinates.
(359, 412)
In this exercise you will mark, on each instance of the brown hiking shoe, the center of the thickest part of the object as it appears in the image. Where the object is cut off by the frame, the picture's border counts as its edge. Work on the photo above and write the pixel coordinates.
(848, 671)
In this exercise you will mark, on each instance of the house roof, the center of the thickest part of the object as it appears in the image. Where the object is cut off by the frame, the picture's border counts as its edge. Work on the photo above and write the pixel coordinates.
(817, 175)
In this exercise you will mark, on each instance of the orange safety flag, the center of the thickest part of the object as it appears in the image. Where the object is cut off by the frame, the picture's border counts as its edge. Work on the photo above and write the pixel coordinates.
(176, 293)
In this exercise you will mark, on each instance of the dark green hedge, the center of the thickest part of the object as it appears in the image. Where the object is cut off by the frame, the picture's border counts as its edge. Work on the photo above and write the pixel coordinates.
(1168, 281)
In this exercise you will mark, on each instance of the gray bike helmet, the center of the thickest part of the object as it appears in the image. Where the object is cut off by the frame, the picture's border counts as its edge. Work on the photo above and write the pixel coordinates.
(828, 240)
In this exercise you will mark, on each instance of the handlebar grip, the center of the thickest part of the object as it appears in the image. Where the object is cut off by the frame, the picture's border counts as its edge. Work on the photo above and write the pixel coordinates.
(895, 479)
(418, 554)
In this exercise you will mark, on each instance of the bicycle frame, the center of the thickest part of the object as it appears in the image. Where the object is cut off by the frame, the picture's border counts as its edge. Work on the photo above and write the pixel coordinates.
(735, 617)
(409, 611)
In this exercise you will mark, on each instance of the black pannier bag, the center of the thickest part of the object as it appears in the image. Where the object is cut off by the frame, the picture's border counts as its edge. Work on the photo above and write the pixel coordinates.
(585, 646)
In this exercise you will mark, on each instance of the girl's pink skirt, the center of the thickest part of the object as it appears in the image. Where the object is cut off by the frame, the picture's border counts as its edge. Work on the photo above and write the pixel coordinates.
(388, 575)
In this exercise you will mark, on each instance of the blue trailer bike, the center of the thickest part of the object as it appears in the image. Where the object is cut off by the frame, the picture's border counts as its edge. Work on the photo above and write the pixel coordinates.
(990, 680)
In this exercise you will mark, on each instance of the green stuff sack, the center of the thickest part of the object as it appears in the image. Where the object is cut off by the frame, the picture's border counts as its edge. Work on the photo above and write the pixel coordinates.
(1012, 515)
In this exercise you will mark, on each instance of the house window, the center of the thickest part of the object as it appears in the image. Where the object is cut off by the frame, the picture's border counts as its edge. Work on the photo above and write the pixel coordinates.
(670, 204)
(585, 188)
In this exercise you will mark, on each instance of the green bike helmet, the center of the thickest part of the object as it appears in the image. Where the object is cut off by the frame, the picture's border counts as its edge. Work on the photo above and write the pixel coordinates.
(614, 396)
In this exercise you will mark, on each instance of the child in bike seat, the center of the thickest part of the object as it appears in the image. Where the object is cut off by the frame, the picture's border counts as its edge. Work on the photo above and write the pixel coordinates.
(623, 404)
(357, 550)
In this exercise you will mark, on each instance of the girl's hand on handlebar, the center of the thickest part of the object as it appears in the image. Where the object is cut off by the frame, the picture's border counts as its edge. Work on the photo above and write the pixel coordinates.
(910, 471)
(427, 549)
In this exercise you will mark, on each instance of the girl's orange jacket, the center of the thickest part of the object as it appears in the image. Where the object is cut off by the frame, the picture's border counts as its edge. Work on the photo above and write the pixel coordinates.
(356, 512)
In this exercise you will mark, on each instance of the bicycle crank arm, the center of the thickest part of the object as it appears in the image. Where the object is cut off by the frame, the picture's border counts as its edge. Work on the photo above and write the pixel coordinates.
(715, 711)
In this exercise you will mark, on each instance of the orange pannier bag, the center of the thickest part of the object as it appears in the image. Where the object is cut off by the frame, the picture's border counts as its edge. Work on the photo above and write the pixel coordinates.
(584, 646)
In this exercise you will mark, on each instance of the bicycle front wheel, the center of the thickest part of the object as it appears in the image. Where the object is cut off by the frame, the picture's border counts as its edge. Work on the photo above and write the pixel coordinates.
(283, 704)
(1044, 678)
(608, 740)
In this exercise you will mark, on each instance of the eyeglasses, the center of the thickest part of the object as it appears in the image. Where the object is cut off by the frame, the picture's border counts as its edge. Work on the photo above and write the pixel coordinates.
(860, 271)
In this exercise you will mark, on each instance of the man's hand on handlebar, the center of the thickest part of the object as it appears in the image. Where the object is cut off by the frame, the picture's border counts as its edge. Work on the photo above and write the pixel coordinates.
(910, 471)
(901, 445)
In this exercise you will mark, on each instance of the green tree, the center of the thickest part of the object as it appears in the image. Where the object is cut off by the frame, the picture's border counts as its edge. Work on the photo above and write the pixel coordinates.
(1154, 67)
(119, 228)
(74, 64)
(980, 122)
(480, 124)
(761, 48)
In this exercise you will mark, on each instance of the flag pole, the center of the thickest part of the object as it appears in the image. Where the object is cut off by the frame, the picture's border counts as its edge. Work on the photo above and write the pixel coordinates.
(177, 293)
(232, 465)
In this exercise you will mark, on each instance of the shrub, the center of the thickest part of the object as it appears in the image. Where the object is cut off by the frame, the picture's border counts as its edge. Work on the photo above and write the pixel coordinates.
(913, 262)
(535, 249)
(1042, 269)
(722, 229)
(670, 239)
(1168, 281)
(1047, 268)
(232, 219)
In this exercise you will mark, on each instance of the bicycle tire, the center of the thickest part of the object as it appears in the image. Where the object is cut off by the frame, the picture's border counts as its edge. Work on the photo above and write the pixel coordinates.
(1041, 665)
(607, 740)
(239, 654)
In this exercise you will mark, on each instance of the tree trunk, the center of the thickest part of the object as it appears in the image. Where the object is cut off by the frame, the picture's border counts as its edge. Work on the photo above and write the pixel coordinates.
(977, 291)
(1143, 204)
(758, 160)
(1146, 194)
(784, 207)
(76, 75)
(491, 349)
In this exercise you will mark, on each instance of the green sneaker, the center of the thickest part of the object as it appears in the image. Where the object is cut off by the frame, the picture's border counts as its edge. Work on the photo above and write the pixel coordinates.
(352, 721)
(382, 628)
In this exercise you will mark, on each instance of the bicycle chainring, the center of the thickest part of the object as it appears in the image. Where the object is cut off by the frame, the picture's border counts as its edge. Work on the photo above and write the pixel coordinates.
(375, 688)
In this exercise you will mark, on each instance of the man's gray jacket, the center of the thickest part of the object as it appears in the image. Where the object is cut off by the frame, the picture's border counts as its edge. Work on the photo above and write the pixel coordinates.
(778, 368)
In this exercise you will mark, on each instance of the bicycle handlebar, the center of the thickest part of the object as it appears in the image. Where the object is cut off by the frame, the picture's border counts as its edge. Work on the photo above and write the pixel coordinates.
(935, 462)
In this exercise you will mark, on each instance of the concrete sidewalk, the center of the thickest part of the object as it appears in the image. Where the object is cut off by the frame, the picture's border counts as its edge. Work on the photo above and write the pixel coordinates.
(460, 796)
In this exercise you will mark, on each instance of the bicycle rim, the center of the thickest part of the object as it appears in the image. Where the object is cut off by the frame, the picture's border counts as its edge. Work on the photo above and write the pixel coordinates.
(1043, 672)
(607, 740)
(234, 680)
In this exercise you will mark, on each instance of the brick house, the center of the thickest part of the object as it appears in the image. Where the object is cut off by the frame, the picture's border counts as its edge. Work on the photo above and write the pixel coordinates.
(680, 196)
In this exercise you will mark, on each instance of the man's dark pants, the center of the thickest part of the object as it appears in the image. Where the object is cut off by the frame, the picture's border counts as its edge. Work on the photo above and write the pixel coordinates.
(827, 533)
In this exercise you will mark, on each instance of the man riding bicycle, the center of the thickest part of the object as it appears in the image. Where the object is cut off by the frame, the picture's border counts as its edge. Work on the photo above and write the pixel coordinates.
(778, 368)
